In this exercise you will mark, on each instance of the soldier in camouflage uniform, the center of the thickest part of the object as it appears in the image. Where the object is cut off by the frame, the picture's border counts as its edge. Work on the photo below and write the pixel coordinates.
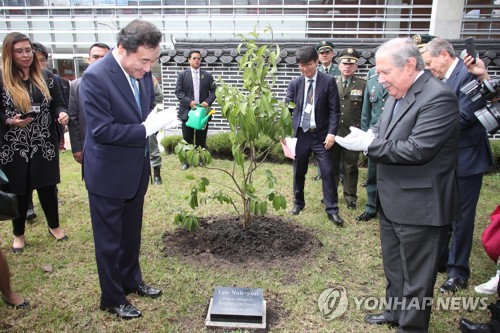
(351, 88)
(373, 105)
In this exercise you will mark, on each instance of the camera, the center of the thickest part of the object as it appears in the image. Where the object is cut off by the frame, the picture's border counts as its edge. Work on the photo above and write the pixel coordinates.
(476, 89)
(489, 116)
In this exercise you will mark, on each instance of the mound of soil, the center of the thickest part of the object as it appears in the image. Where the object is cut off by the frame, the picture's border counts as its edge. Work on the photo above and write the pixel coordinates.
(221, 240)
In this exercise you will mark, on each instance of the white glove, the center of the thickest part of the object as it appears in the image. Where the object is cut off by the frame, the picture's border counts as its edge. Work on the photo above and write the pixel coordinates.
(155, 122)
(359, 132)
(357, 140)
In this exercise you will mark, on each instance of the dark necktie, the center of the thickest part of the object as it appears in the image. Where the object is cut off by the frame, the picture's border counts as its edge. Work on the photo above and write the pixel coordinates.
(396, 107)
(346, 83)
(137, 96)
(306, 120)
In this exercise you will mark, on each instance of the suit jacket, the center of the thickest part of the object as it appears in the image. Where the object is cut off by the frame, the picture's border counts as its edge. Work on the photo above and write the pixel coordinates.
(374, 99)
(185, 93)
(351, 102)
(115, 143)
(417, 154)
(326, 103)
(76, 124)
(474, 155)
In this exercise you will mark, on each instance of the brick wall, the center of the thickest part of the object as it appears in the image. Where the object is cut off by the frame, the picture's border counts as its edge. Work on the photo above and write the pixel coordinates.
(222, 62)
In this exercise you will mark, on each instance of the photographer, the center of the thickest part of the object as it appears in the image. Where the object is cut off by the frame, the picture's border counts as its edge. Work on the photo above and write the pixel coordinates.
(488, 116)
(493, 326)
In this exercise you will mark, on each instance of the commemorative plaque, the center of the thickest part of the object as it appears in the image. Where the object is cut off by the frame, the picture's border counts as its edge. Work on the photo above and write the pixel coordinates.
(237, 307)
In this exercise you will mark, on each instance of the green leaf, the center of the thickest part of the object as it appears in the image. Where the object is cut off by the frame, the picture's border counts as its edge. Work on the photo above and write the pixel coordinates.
(277, 203)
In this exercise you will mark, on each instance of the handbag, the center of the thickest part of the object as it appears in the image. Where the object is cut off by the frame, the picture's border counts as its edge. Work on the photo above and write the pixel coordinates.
(8, 201)
(491, 236)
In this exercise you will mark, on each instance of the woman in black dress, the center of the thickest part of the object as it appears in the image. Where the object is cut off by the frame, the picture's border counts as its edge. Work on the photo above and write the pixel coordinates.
(31, 104)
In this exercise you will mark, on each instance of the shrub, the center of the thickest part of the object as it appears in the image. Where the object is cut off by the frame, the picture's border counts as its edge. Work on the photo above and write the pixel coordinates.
(219, 145)
(169, 143)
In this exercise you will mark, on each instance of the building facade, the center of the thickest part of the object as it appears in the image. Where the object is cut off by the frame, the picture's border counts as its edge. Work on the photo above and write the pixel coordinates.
(69, 27)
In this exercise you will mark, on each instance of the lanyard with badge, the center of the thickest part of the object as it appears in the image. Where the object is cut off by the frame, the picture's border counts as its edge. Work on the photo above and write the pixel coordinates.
(35, 107)
(309, 98)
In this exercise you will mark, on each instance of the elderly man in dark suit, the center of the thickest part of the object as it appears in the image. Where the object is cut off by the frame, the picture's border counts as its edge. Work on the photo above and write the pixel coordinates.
(474, 159)
(194, 86)
(117, 95)
(315, 120)
(415, 145)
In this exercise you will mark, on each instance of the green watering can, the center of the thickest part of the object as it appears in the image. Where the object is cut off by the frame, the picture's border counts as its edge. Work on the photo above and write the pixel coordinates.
(198, 118)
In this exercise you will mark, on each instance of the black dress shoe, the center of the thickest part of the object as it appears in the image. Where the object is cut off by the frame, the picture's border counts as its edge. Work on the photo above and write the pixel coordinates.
(365, 216)
(379, 319)
(184, 166)
(335, 218)
(124, 311)
(17, 250)
(467, 326)
(30, 214)
(24, 305)
(145, 290)
(157, 180)
(296, 210)
(452, 285)
(318, 177)
(351, 205)
(62, 239)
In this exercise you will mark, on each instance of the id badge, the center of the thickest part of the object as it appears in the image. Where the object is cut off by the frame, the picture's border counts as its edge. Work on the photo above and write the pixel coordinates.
(35, 108)
(308, 108)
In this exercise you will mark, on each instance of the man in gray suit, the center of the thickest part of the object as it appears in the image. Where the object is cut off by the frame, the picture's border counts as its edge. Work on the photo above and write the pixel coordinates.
(415, 145)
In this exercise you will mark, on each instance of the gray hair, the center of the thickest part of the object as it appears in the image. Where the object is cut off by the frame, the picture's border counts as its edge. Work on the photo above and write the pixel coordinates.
(401, 50)
(435, 46)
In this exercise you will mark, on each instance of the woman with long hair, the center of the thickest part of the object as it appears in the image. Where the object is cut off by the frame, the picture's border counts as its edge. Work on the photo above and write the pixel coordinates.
(31, 103)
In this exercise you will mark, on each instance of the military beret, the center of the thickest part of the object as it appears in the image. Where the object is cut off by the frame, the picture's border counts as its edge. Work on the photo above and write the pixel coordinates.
(349, 56)
(422, 40)
(324, 46)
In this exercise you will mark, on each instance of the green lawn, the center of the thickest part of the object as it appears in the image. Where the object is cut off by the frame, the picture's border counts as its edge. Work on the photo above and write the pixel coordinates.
(67, 298)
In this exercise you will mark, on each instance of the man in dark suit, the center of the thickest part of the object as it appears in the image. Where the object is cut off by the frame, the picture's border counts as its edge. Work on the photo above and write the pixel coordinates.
(76, 125)
(315, 120)
(189, 97)
(415, 145)
(117, 95)
(351, 88)
(474, 158)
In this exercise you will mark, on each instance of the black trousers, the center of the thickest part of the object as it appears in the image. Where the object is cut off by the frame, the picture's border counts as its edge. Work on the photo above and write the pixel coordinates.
(192, 136)
(48, 200)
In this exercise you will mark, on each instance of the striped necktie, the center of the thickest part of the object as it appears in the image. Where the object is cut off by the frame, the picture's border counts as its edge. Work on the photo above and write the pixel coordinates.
(306, 120)
(137, 95)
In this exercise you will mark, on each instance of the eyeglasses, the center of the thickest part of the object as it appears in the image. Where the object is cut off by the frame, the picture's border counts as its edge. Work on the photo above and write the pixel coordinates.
(28, 51)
